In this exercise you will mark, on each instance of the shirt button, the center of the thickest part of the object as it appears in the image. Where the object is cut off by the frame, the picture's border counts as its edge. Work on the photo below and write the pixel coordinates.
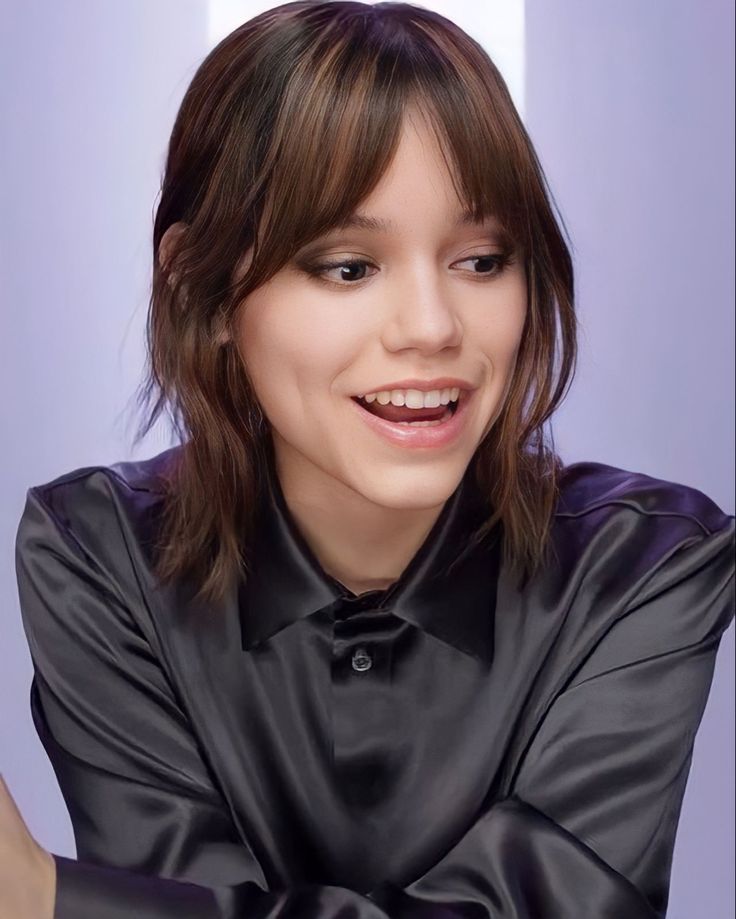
(362, 660)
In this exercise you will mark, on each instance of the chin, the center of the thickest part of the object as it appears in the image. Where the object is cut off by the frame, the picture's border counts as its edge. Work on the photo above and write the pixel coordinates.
(409, 487)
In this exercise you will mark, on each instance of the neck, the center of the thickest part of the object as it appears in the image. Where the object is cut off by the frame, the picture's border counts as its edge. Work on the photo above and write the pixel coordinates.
(363, 545)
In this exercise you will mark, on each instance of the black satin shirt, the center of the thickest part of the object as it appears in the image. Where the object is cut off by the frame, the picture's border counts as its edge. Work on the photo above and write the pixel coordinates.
(453, 747)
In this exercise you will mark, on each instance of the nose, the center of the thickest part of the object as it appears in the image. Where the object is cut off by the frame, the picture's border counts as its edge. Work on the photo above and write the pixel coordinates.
(423, 316)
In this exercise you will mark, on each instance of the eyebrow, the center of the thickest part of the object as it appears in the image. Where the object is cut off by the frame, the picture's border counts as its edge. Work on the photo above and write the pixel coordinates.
(378, 225)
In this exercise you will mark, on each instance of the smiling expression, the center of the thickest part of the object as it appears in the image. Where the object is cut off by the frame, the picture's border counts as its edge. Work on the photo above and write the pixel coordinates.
(411, 289)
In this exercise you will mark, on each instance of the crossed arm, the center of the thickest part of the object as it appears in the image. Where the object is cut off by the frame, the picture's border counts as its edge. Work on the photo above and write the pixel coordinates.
(587, 833)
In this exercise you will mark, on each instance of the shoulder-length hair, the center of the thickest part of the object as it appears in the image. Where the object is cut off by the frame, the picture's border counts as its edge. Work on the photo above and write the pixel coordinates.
(288, 123)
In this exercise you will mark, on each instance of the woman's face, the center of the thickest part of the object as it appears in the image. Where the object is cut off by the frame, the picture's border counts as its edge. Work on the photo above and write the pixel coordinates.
(424, 301)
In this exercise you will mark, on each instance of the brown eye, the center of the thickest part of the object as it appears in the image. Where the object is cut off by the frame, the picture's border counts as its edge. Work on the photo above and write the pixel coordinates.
(350, 271)
(491, 264)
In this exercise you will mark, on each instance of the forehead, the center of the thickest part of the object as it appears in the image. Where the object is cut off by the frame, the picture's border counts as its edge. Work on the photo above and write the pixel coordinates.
(411, 173)
(361, 221)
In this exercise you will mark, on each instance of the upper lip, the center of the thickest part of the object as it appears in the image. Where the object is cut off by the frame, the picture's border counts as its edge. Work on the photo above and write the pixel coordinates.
(423, 385)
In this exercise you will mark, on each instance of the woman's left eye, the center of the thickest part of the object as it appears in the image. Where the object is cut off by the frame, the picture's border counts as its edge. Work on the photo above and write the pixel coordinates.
(492, 265)
(498, 261)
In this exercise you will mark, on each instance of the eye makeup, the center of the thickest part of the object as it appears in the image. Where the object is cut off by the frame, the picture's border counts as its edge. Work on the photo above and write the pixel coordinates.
(496, 264)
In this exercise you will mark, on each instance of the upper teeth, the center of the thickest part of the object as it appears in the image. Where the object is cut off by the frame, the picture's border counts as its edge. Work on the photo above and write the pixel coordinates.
(414, 398)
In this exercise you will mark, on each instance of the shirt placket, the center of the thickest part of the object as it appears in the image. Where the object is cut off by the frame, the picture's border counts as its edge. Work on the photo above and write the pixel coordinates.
(362, 700)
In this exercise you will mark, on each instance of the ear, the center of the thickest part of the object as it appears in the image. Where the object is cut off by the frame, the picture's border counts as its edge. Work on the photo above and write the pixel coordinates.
(244, 263)
(169, 242)
(239, 271)
(223, 338)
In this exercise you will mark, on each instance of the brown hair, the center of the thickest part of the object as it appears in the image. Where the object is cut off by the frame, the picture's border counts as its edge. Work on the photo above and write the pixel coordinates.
(288, 123)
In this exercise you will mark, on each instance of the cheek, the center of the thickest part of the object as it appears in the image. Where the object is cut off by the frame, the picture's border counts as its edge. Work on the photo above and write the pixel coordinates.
(258, 345)
(293, 351)
(499, 333)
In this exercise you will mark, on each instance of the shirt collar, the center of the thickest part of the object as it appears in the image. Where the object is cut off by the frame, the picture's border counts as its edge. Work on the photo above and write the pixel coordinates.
(448, 589)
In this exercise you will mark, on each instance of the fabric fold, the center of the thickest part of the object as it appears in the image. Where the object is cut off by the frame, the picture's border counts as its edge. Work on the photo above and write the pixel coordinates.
(536, 772)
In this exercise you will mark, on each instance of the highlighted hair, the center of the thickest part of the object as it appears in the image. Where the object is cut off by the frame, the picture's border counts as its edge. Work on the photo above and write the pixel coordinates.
(287, 125)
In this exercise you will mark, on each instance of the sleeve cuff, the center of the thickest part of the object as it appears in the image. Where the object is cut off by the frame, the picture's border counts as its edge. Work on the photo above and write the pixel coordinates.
(88, 891)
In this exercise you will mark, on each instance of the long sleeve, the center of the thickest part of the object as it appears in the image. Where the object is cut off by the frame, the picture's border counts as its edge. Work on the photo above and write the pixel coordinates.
(588, 829)
(154, 837)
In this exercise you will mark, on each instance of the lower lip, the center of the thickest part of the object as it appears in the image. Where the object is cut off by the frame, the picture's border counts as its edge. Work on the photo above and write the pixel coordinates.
(407, 435)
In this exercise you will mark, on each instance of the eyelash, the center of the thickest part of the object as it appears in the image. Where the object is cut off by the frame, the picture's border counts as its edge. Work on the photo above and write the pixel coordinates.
(502, 260)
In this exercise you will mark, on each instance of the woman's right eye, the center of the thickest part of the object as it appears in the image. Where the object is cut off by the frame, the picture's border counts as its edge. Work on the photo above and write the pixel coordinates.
(348, 266)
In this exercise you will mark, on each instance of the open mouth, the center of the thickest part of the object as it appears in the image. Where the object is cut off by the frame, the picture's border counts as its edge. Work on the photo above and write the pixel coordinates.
(413, 417)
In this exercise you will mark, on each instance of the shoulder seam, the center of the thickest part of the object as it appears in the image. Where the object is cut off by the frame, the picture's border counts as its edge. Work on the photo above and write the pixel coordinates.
(84, 473)
(109, 471)
(639, 510)
(68, 533)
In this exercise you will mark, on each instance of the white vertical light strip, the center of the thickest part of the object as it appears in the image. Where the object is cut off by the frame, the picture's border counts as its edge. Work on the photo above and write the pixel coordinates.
(498, 25)
(224, 16)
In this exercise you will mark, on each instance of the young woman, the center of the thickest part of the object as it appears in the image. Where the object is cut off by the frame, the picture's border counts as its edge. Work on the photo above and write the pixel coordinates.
(361, 644)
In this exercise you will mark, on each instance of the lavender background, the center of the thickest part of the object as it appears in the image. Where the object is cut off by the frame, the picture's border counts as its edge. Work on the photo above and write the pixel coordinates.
(631, 108)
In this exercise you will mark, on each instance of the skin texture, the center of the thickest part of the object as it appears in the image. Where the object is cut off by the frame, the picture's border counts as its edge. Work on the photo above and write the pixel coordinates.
(27, 871)
(422, 308)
